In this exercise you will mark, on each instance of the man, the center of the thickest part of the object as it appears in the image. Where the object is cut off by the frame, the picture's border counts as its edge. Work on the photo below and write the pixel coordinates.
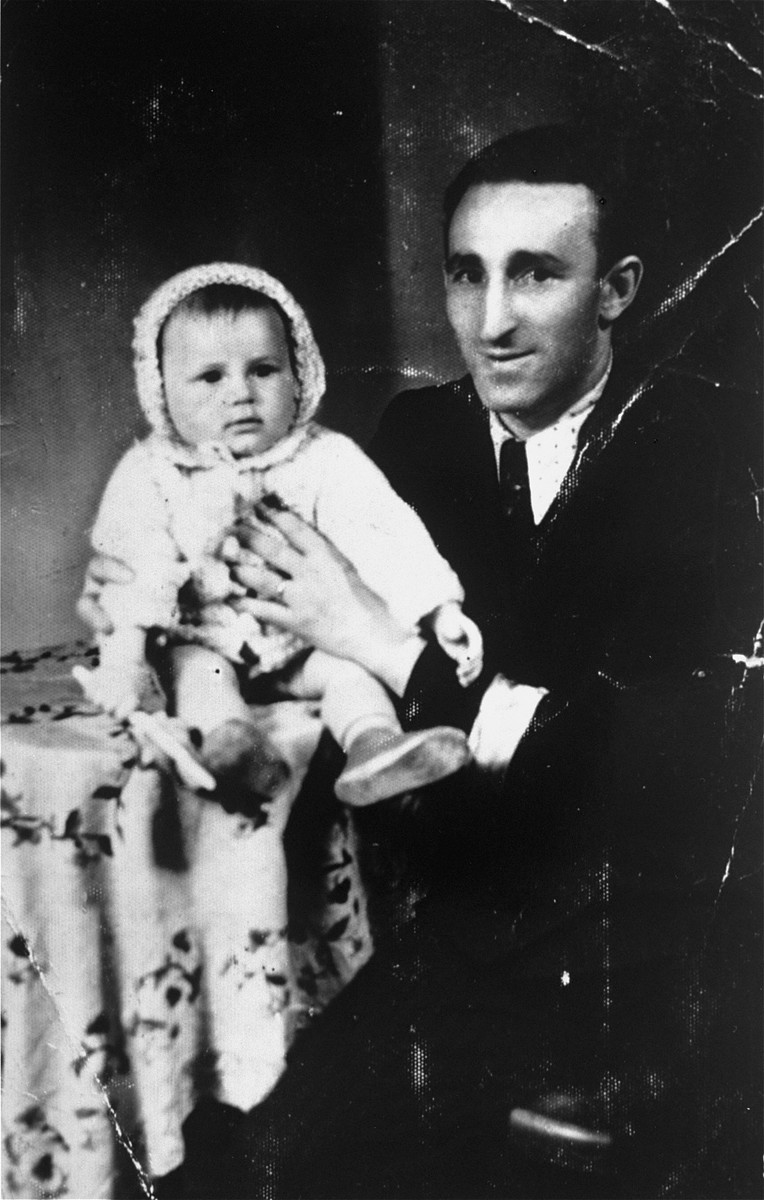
(563, 1016)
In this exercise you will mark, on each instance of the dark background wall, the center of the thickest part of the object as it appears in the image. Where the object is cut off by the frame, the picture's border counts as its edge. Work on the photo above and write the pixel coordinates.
(314, 138)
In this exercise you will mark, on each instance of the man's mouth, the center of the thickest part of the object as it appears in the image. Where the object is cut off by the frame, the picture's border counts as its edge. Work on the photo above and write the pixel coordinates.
(500, 357)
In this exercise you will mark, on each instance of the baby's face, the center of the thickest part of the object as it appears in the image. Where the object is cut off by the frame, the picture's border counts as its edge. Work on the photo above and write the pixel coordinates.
(228, 378)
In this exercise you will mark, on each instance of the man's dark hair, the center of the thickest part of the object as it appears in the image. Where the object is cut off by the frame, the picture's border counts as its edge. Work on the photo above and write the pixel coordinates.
(231, 298)
(558, 154)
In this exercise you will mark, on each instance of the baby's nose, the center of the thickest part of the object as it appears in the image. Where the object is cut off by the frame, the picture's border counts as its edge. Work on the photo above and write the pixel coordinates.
(244, 390)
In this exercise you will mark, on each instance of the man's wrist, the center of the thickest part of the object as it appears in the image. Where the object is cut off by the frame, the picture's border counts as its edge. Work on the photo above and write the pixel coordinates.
(506, 712)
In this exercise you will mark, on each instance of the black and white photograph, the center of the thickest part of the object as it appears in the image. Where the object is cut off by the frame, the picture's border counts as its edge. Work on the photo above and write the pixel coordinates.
(382, 599)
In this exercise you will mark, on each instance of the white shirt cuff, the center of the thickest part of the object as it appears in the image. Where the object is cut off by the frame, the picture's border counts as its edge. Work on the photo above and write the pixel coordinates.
(506, 711)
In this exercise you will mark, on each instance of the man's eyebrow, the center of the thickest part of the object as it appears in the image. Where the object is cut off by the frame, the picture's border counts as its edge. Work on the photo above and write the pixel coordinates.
(458, 261)
(522, 259)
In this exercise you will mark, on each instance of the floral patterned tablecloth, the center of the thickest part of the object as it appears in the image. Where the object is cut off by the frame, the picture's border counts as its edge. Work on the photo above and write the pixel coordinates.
(147, 957)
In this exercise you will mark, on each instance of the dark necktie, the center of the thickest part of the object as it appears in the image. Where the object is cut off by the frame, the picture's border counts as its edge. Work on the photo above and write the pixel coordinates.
(514, 488)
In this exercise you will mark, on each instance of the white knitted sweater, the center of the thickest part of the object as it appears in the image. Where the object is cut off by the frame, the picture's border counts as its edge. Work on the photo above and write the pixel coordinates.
(168, 506)
(166, 517)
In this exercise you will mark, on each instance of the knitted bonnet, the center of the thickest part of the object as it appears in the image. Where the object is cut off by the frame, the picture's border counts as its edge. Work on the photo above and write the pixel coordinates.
(309, 367)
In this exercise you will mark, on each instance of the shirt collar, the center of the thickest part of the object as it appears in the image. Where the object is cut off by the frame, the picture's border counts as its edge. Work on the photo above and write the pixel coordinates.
(573, 416)
(550, 452)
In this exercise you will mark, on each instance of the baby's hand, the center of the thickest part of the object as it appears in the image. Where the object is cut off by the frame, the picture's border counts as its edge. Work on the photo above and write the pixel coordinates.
(461, 639)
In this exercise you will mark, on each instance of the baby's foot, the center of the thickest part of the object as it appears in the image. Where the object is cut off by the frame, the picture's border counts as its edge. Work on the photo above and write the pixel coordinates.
(247, 770)
(157, 734)
(383, 762)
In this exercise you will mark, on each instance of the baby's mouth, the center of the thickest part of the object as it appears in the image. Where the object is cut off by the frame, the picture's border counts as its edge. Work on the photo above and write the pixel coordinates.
(245, 424)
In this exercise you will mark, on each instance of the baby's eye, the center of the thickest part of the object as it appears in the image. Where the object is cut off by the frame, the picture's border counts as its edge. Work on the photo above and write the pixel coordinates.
(263, 370)
(211, 376)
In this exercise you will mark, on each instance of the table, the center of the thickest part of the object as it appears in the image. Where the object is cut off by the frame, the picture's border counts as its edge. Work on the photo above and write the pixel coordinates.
(147, 955)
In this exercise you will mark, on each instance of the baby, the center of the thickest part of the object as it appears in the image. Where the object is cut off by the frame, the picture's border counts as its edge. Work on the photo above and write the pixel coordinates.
(230, 378)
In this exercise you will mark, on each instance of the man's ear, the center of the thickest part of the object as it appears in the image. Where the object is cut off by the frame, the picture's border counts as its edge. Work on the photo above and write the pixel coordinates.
(619, 287)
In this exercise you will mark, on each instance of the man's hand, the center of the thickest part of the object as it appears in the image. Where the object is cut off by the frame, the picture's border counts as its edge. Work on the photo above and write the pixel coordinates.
(298, 581)
(101, 570)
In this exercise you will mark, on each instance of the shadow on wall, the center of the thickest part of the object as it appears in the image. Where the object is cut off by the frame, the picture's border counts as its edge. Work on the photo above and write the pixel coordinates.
(315, 138)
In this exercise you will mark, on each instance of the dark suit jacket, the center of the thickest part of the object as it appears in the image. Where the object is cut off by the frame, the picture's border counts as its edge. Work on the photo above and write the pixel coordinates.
(615, 830)
(559, 962)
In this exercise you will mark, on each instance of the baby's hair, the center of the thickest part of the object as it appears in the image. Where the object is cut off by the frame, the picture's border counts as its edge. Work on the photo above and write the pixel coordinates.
(232, 299)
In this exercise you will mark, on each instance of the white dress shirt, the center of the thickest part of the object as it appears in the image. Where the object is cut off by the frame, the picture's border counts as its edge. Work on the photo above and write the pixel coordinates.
(508, 707)
(551, 451)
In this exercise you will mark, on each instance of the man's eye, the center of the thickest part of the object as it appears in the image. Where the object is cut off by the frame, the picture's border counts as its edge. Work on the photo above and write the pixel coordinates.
(534, 275)
(468, 275)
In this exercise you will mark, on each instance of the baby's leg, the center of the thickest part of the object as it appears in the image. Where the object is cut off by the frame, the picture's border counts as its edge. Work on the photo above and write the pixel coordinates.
(207, 698)
(382, 761)
(206, 689)
(352, 699)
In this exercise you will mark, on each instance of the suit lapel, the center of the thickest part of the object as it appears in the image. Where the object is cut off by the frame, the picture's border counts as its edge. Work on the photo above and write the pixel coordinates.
(622, 392)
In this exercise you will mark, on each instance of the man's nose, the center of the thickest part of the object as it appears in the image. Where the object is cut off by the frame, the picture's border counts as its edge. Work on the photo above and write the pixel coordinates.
(498, 315)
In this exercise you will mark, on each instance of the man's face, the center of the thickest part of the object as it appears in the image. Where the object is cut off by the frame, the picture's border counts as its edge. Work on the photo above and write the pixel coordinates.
(228, 378)
(523, 296)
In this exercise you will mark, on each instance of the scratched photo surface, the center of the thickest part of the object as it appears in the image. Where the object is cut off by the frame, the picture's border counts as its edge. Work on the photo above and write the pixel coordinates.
(141, 969)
